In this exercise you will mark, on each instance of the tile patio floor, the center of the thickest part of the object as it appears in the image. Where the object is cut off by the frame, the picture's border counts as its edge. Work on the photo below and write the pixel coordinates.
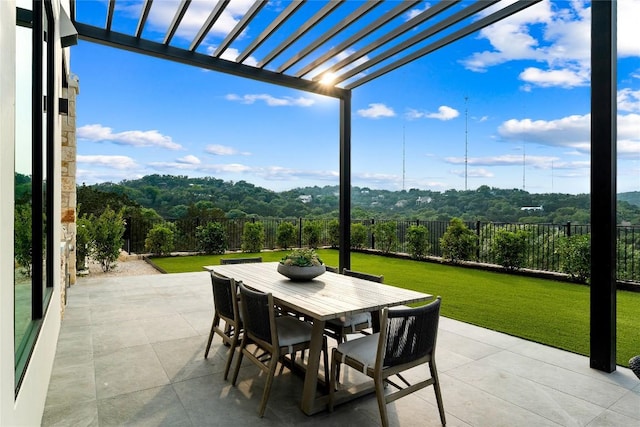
(131, 351)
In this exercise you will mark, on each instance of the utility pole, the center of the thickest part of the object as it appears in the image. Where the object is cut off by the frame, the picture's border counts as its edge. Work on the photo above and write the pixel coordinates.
(403, 158)
(466, 140)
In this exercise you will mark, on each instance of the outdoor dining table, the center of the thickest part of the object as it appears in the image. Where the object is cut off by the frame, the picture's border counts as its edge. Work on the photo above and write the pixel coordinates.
(326, 297)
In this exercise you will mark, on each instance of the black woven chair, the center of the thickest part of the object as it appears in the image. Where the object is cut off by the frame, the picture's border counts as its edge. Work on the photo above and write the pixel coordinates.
(225, 301)
(352, 324)
(407, 338)
(224, 261)
(634, 364)
(276, 336)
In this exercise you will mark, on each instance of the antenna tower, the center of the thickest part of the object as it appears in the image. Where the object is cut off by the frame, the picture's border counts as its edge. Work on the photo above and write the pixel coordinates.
(403, 158)
(466, 140)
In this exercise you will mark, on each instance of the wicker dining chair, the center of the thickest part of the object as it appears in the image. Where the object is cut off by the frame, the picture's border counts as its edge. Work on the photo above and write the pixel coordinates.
(277, 336)
(226, 308)
(407, 338)
(338, 329)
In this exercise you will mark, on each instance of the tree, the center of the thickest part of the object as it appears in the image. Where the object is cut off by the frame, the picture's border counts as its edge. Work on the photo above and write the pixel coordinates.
(159, 239)
(83, 241)
(510, 248)
(458, 242)
(312, 233)
(106, 233)
(417, 242)
(286, 235)
(211, 238)
(253, 237)
(23, 238)
(386, 235)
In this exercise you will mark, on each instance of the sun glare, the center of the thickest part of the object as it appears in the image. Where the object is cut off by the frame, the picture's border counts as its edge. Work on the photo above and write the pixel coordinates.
(328, 78)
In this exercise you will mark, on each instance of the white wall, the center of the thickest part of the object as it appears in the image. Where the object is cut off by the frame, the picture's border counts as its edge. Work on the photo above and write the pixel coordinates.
(25, 409)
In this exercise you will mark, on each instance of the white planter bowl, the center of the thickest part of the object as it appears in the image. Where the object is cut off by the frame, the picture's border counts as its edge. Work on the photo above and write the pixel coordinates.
(301, 274)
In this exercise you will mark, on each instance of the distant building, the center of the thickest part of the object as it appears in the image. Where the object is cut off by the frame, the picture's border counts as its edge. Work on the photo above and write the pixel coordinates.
(422, 200)
(305, 198)
(532, 208)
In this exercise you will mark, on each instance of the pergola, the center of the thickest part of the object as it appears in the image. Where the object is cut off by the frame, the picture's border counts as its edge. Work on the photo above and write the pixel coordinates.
(299, 48)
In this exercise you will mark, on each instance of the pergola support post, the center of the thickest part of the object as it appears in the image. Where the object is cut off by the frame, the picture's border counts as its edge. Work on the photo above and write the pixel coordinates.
(603, 185)
(344, 260)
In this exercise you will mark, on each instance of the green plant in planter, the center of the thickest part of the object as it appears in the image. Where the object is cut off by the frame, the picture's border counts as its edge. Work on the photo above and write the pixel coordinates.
(302, 258)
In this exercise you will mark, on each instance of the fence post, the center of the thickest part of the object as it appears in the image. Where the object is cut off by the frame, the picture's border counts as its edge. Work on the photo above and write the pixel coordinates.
(478, 238)
(127, 233)
(373, 237)
(568, 232)
(299, 232)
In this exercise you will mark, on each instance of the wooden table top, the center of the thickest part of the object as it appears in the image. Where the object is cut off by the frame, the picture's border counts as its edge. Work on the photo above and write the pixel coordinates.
(328, 296)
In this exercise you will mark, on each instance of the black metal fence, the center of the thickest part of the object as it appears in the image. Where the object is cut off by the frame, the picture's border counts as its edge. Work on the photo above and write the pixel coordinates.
(542, 244)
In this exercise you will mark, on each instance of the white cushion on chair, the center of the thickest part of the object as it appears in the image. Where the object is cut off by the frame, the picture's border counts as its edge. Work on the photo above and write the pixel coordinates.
(361, 349)
(292, 331)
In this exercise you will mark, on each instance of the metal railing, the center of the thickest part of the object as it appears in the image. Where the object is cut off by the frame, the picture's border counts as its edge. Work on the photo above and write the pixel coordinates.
(542, 239)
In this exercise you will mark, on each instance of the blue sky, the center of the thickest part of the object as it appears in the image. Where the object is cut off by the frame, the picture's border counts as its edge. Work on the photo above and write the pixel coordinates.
(517, 93)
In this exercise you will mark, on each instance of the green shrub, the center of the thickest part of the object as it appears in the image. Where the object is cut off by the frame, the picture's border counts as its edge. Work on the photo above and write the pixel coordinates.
(312, 233)
(286, 235)
(510, 248)
(106, 233)
(253, 237)
(83, 241)
(159, 240)
(575, 256)
(359, 234)
(417, 242)
(386, 236)
(458, 242)
(334, 233)
(211, 238)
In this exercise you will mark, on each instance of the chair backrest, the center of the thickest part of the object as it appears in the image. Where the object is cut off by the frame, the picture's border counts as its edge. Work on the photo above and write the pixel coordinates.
(365, 276)
(258, 314)
(331, 269)
(224, 296)
(409, 334)
(240, 260)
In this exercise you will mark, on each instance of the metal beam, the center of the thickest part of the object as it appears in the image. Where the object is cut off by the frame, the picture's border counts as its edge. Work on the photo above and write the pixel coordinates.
(301, 31)
(344, 23)
(159, 50)
(402, 7)
(344, 256)
(271, 28)
(603, 185)
(463, 32)
(177, 18)
(144, 14)
(241, 25)
(111, 8)
(404, 28)
(206, 27)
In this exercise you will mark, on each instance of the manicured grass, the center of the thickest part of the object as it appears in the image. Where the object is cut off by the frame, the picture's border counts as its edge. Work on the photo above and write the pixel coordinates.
(546, 311)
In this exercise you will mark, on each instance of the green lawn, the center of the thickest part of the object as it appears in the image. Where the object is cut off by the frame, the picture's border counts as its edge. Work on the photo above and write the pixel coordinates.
(550, 312)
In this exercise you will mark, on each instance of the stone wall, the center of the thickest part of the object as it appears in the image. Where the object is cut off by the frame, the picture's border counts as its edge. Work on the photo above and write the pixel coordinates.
(68, 190)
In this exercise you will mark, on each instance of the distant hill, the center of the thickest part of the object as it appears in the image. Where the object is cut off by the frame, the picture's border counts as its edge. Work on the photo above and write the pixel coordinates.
(632, 197)
(175, 197)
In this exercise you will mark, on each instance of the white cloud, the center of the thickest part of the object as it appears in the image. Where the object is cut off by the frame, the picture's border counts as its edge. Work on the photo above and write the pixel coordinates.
(112, 162)
(135, 138)
(573, 132)
(444, 113)
(231, 54)
(629, 100)
(375, 111)
(190, 160)
(271, 101)
(563, 47)
(223, 150)
(566, 78)
(473, 173)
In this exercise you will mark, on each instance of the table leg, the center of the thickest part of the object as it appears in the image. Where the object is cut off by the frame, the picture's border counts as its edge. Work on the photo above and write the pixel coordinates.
(308, 404)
